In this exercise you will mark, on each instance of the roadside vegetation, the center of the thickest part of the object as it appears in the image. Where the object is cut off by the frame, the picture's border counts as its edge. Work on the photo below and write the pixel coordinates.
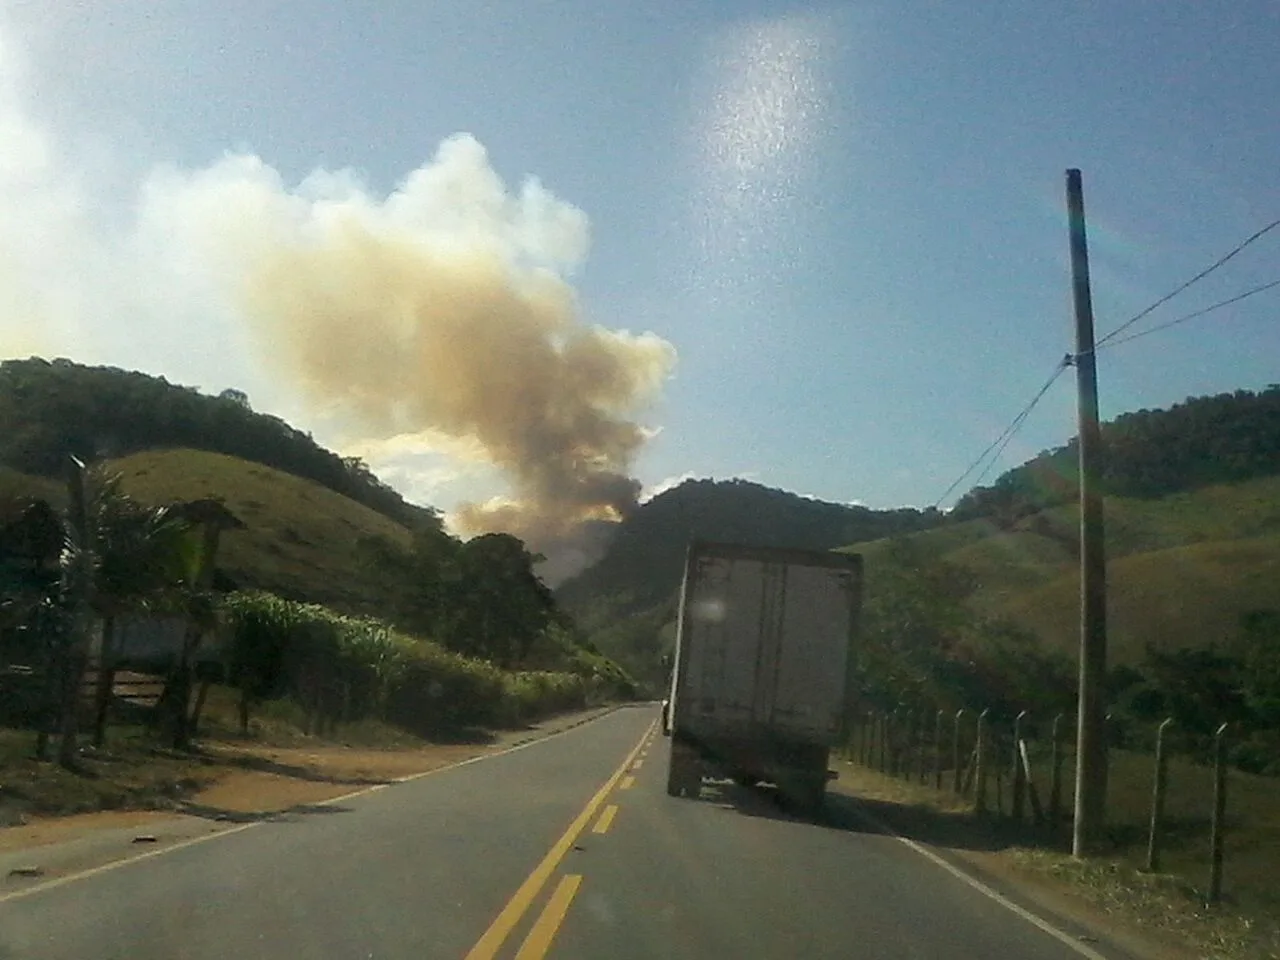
(276, 593)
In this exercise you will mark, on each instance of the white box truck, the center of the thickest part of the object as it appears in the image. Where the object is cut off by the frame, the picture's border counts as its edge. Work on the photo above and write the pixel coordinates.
(760, 683)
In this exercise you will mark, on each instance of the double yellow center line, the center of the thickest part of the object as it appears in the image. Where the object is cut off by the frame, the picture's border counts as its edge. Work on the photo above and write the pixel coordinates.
(539, 939)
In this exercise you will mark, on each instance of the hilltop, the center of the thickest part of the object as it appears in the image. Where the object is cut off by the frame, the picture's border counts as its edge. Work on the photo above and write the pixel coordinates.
(1193, 526)
(54, 408)
(626, 600)
(1182, 569)
(318, 529)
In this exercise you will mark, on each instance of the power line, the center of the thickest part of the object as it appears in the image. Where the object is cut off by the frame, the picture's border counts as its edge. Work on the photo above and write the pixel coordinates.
(1008, 433)
(1196, 279)
(1192, 316)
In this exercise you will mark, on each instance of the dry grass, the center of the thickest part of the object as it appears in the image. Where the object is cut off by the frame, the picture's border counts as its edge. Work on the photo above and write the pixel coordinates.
(1170, 904)
(299, 538)
(1181, 571)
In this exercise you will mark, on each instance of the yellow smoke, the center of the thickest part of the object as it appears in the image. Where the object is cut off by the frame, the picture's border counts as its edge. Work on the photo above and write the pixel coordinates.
(409, 334)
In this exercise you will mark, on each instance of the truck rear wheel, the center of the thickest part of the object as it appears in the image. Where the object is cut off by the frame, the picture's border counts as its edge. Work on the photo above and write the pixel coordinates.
(806, 795)
(684, 775)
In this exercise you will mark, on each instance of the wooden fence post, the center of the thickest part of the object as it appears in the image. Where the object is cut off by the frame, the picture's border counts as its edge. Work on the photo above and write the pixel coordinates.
(1055, 771)
(1219, 813)
(1018, 806)
(1158, 788)
(922, 753)
(937, 750)
(957, 778)
(980, 765)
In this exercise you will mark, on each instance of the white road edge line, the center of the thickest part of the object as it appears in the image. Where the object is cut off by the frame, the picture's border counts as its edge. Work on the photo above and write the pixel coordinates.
(240, 828)
(1038, 922)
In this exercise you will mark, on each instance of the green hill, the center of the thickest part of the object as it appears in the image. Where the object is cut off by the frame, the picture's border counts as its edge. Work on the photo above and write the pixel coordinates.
(626, 601)
(1182, 569)
(298, 538)
(1226, 438)
(51, 409)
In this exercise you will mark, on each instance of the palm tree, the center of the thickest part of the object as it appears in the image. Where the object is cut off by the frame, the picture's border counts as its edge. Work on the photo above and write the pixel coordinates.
(118, 556)
(142, 553)
(78, 567)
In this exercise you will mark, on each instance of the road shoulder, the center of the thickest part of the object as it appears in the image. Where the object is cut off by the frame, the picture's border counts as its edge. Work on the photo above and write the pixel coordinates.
(994, 862)
(258, 782)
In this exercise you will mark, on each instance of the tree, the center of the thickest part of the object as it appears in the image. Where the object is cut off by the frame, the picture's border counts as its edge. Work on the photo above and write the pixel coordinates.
(140, 553)
(78, 567)
(238, 397)
(1259, 650)
(194, 591)
(500, 606)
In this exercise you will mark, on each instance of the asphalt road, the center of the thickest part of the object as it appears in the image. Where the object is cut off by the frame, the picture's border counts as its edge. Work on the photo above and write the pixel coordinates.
(568, 847)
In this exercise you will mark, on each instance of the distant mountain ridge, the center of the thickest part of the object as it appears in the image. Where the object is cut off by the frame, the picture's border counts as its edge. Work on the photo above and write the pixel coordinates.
(626, 600)
(646, 554)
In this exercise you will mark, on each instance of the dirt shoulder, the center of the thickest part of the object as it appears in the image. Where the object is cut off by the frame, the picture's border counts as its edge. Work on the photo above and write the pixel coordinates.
(1148, 917)
(228, 782)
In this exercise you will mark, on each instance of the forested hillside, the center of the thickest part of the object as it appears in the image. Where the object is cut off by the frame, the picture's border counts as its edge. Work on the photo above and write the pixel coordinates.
(1175, 481)
(50, 409)
(316, 538)
(627, 599)
(1225, 438)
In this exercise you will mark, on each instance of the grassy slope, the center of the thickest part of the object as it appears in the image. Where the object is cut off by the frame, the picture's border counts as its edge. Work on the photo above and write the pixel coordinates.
(1182, 569)
(299, 536)
(14, 485)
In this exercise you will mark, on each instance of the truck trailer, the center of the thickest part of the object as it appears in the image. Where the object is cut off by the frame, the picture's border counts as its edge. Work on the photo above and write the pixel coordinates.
(761, 681)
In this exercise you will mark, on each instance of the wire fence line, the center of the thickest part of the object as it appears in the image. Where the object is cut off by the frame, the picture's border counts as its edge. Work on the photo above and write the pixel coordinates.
(1175, 805)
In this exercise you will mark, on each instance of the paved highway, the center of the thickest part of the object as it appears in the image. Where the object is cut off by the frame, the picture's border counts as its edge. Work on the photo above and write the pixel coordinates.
(568, 847)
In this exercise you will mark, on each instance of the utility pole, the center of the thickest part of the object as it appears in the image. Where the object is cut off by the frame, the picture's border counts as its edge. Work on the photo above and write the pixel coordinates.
(1091, 745)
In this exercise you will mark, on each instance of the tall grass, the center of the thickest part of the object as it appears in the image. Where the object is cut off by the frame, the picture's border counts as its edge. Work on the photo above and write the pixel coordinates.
(342, 669)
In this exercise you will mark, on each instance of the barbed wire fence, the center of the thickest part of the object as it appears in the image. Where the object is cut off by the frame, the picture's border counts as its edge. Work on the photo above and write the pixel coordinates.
(1175, 803)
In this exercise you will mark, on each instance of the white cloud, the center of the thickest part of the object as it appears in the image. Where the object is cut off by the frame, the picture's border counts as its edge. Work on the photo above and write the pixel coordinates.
(431, 331)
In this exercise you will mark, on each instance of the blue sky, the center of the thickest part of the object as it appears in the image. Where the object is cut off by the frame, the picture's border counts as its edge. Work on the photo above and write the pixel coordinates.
(846, 220)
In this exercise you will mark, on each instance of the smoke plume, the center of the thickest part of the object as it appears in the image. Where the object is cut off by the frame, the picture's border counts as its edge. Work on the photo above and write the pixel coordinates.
(445, 310)
(439, 317)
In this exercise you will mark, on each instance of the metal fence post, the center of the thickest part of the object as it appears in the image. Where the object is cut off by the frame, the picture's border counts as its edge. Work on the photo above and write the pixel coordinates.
(1157, 799)
(1055, 770)
(1018, 805)
(1219, 813)
(957, 781)
(980, 765)
(937, 750)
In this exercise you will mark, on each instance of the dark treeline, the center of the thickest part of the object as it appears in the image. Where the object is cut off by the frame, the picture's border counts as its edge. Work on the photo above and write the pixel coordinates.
(627, 601)
(646, 556)
(1225, 438)
(51, 409)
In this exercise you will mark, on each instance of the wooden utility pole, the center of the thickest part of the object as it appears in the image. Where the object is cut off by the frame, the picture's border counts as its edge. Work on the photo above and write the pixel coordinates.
(1091, 746)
